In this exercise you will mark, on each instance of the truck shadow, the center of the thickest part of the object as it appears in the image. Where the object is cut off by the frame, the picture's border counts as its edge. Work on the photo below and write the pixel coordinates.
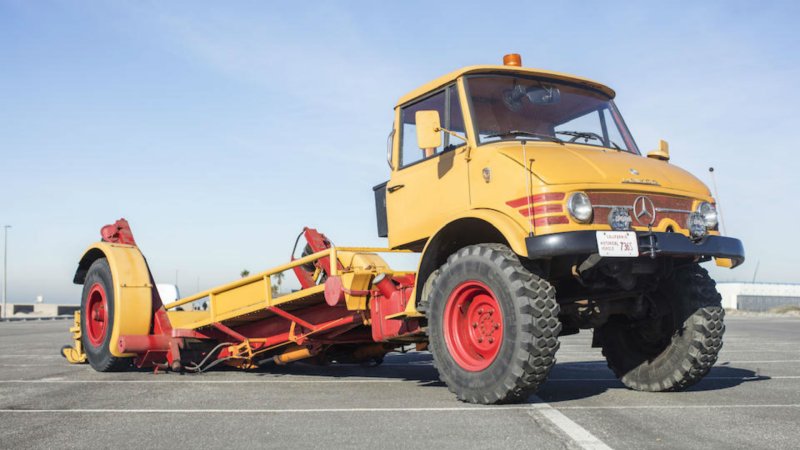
(567, 380)
(584, 379)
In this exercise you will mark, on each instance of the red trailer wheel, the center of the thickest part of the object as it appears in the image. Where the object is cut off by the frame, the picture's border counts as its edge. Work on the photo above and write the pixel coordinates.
(97, 310)
(97, 318)
(473, 325)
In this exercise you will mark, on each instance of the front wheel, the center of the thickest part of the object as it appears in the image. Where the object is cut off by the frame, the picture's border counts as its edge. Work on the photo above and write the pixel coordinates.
(493, 326)
(675, 350)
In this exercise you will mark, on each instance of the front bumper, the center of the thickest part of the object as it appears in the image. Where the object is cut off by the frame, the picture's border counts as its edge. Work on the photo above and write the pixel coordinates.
(650, 244)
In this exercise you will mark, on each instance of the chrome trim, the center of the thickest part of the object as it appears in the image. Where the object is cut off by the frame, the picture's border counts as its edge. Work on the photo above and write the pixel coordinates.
(658, 210)
(673, 210)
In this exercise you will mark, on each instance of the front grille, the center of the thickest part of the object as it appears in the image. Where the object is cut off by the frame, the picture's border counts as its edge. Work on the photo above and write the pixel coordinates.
(667, 206)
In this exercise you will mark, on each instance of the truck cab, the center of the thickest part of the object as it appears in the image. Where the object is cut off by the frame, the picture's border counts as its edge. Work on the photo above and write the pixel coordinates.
(519, 154)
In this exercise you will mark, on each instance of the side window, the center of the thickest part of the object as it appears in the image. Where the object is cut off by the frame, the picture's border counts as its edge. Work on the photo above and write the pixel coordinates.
(615, 139)
(453, 120)
(451, 117)
(410, 152)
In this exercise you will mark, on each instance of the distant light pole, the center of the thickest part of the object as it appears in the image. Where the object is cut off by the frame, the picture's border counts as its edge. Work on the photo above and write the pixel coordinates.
(716, 197)
(5, 267)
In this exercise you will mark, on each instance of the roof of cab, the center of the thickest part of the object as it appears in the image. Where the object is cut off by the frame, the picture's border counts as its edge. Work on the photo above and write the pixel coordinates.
(452, 76)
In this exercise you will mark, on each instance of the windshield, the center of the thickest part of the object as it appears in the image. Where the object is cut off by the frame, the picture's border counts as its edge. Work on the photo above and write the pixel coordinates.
(506, 107)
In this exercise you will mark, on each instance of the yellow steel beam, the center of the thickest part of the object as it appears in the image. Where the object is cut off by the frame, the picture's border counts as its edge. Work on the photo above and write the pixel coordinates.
(254, 293)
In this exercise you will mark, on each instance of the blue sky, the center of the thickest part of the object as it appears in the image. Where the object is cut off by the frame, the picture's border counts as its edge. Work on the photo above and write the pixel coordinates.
(220, 129)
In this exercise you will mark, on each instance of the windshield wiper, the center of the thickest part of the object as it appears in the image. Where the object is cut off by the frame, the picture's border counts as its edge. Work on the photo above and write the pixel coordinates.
(515, 133)
(588, 135)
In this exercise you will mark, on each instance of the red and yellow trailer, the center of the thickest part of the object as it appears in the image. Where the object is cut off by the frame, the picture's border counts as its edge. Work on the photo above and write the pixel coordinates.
(351, 307)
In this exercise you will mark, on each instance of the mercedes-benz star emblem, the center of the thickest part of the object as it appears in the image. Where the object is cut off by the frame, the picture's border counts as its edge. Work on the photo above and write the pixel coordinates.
(644, 211)
(634, 172)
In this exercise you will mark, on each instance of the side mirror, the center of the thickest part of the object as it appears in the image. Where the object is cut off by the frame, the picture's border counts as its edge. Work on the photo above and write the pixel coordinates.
(662, 153)
(428, 129)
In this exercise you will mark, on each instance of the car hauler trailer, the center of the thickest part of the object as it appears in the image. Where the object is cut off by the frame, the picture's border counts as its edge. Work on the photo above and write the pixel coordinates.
(534, 214)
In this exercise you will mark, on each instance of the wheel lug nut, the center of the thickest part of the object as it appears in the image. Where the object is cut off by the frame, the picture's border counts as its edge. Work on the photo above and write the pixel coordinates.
(496, 326)
(480, 310)
(491, 340)
(474, 324)
(480, 339)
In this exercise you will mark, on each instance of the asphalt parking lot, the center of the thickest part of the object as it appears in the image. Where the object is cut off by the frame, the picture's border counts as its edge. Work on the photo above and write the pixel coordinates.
(751, 399)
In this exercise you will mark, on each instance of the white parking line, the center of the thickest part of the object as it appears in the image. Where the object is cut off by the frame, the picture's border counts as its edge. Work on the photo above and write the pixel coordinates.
(790, 405)
(581, 436)
(530, 407)
(761, 362)
(722, 362)
(334, 381)
(753, 378)
(201, 381)
(283, 411)
(37, 365)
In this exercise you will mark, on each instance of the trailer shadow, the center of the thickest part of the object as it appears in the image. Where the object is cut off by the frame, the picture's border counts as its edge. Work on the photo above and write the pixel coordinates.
(411, 366)
(567, 380)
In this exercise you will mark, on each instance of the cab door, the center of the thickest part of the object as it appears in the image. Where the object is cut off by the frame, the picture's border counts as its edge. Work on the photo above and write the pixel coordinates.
(427, 186)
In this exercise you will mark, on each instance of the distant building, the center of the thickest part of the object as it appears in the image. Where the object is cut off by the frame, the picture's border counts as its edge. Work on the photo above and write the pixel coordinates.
(758, 296)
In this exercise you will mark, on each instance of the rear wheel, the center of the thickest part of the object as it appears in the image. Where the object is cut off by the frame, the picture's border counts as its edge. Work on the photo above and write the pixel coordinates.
(493, 326)
(97, 318)
(676, 350)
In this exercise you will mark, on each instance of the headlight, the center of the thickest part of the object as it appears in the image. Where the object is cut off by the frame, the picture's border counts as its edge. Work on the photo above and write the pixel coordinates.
(696, 224)
(709, 213)
(579, 207)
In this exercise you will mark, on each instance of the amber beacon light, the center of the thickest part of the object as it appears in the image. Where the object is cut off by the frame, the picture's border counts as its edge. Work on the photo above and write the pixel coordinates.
(512, 59)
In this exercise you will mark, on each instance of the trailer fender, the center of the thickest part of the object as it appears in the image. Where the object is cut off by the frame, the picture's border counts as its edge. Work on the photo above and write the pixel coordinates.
(484, 225)
(133, 289)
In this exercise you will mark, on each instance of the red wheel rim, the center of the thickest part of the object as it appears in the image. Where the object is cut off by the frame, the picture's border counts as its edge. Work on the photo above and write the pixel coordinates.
(473, 326)
(97, 314)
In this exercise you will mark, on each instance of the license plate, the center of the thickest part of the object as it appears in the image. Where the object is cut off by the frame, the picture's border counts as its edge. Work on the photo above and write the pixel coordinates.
(617, 243)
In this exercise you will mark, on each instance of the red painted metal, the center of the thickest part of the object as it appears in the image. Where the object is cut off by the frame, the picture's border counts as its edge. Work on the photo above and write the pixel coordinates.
(97, 314)
(473, 326)
(538, 198)
(227, 330)
(300, 338)
(292, 318)
(391, 297)
(118, 233)
(671, 207)
(539, 210)
(143, 343)
(334, 291)
(552, 220)
(317, 242)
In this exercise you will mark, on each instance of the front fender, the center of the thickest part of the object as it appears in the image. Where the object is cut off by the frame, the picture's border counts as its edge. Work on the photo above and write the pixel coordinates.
(511, 231)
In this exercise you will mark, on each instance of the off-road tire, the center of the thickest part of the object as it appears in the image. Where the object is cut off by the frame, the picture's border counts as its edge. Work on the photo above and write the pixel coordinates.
(99, 356)
(529, 331)
(690, 348)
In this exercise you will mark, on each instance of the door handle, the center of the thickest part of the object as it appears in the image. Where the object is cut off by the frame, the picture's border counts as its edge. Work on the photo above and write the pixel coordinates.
(395, 187)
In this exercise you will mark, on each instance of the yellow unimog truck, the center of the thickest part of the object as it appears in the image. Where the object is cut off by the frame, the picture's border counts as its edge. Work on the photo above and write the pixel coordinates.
(535, 215)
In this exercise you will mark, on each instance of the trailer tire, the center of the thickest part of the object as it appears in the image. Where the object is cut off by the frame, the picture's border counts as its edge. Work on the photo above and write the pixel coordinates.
(684, 345)
(507, 356)
(97, 319)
